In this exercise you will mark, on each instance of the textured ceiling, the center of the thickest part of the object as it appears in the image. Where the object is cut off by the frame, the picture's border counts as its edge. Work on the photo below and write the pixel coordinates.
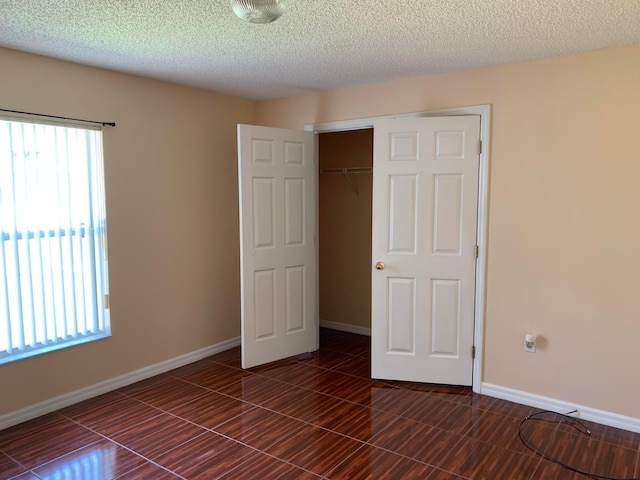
(316, 44)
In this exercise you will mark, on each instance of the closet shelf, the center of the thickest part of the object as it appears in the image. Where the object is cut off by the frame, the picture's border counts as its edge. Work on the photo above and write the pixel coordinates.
(346, 171)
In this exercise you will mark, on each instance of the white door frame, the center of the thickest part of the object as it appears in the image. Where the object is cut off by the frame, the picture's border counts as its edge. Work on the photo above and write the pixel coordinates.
(484, 111)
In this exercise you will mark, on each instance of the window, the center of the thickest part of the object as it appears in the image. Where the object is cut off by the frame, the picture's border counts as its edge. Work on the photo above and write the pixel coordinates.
(53, 255)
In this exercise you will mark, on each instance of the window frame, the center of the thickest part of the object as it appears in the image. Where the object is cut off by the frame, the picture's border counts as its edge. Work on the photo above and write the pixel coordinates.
(91, 235)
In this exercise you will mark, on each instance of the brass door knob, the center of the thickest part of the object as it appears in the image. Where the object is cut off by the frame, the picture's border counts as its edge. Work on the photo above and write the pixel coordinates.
(379, 265)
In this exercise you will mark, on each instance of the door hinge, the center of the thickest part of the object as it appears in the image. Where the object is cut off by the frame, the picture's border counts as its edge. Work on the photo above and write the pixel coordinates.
(473, 352)
(476, 251)
(479, 147)
(106, 301)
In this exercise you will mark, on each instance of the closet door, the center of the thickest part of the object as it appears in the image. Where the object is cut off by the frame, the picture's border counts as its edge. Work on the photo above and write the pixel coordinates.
(425, 203)
(277, 183)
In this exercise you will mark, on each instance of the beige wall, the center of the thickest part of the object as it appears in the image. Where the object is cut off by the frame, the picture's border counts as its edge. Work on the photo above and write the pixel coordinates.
(563, 231)
(345, 228)
(171, 187)
(564, 235)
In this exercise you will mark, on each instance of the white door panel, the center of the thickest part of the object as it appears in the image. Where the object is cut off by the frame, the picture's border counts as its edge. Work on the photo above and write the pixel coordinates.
(425, 187)
(277, 182)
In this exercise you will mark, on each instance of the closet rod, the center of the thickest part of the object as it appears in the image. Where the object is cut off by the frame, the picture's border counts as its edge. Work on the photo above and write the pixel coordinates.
(346, 170)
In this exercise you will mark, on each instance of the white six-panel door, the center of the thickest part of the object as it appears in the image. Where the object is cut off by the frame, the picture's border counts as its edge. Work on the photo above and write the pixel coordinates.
(277, 181)
(425, 185)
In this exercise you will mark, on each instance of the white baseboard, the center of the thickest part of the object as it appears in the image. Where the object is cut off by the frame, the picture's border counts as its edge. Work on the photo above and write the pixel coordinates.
(545, 403)
(48, 406)
(346, 327)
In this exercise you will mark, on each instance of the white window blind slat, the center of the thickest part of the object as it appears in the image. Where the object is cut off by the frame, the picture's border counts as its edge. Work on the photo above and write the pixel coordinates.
(5, 292)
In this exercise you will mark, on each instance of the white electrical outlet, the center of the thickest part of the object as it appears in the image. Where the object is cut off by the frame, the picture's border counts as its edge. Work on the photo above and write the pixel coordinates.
(530, 343)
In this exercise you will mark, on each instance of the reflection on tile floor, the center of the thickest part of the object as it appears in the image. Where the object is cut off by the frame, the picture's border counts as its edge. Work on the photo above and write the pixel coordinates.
(315, 416)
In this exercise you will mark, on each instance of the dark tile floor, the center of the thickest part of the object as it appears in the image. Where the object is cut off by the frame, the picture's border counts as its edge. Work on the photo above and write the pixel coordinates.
(310, 417)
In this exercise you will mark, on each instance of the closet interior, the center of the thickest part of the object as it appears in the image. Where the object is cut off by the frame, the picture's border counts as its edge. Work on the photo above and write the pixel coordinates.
(345, 194)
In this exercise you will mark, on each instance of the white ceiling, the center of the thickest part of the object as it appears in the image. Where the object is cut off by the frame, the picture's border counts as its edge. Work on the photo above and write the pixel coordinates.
(316, 44)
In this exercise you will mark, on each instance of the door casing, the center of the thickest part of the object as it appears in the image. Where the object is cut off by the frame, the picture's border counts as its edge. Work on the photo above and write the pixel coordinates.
(484, 111)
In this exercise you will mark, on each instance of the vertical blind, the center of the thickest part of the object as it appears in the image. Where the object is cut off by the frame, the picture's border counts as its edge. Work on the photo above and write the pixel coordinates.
(53, 256)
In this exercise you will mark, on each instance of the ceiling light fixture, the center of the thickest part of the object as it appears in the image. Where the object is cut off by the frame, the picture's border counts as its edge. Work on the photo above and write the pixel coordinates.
(258, 11)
